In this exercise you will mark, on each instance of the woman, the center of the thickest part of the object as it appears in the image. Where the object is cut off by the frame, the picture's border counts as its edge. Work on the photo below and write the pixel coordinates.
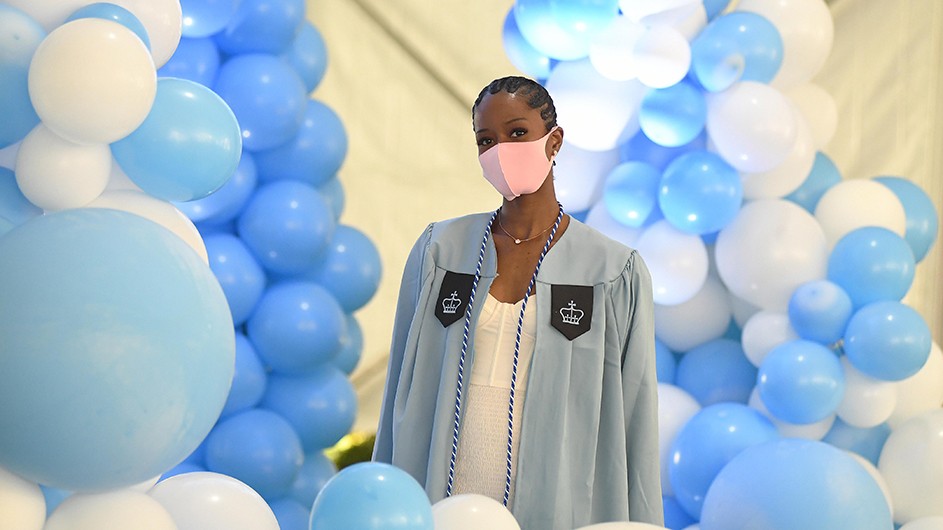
(522, 363)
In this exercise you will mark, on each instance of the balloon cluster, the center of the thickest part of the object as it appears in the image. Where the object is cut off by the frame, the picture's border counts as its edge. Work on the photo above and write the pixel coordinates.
(195, 117)
(795, 386)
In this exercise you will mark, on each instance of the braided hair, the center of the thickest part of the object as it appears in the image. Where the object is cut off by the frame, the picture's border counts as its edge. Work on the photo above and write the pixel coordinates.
(537, 96)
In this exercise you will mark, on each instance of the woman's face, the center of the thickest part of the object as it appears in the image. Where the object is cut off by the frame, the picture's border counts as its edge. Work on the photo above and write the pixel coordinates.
(505, 117)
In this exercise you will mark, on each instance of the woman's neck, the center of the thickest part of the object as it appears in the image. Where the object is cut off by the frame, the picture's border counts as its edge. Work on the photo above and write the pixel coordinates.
(532, 213)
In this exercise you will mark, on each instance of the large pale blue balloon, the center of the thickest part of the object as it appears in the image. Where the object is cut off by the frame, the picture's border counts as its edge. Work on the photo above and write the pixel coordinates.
(673, 116)
(521, 53)
(819, 311)
(700, 193)
(314, 155)
(261, 26)
(321, 406)
(792, 483)
(188, 146)
(194, 59)
(887, 340)
(715, 372)
(872, 264)
(20, 35)
(102, 310)
(308, 55)
(114, 13)
(923, 222)
(823, 175)
(738, 46)
(801, 382)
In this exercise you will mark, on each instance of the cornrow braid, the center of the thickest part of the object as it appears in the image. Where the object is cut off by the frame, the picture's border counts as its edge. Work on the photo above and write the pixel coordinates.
(537, 96)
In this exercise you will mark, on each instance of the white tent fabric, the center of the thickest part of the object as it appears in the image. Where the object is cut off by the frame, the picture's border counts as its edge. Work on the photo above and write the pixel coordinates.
(403, 74)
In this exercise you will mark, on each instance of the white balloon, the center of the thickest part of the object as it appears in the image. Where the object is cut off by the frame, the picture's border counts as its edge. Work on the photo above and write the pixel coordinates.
(920, 392)
(677, 261)
(470, 511)
(600, 219)
(596, 112)
(808, 431)
(764, 331)
(770, 248)
(856, 203)
(638, 9)
(742, 310)
(788, 175)
(611, 51)
(163, 20)
(925, 523)
(204, 500)
(22, 504)
(912, 464)
(819, 109)
(867, 402)
(704, 317)
(876, 475)
(55, 173)
(125, 509)
(687, 20)
(662, 57)
(156, 210)
(92, 81)
(752, 126)
(807, 30)
(8, 155)
(579, 175)
(675, 408)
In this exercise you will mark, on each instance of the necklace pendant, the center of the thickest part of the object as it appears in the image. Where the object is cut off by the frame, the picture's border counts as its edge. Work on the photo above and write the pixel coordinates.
(517, 241)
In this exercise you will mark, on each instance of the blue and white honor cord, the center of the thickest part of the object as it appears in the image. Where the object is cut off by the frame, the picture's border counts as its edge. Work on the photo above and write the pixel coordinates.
(517, 349)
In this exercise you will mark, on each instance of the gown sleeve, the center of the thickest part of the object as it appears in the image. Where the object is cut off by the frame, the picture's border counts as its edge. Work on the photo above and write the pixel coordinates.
(405, 311)
(640, 397)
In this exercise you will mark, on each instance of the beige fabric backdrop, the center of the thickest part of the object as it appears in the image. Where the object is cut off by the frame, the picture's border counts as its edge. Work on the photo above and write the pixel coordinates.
(403, 73)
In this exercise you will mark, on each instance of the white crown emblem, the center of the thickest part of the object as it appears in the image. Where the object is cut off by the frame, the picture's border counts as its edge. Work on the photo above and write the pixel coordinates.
(571, 315)
(450, 304)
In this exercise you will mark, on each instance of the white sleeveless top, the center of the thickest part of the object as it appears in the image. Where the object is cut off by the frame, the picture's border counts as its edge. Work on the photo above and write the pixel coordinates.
(481, 460)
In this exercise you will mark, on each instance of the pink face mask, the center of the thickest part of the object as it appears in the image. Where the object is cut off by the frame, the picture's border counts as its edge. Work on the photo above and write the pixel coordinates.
(517, 168)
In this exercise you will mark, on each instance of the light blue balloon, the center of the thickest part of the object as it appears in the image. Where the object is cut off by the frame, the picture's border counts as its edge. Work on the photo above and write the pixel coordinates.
(14, 207)
(538, 24)
(194, 59)
(372, 496)
(630, 192)
(307, 54)
(101, 309)
(202, 18)
(20, 35)
(262, 26)
(333, 193)
(187, 147)
(706, 443)
(267, 96)
(296, 327)
(700, 193)
(887, 340)
(258, 447)
(923, 223)
(290, 514)
(114, 13)
(239, 274)
(53, 497)
(521, 53)
(314, 155)
(738, 46)
(866, 442)
(793, 483)
(350, 268)
(801, 382)
(823, 175)
(666, 365)
(715, 7)
(641, 149)
(249, 380)
(872, 264)
(584, 17)
(673, 116)
(287, 225)
(819, 311)
(321, 406)
(313, 475)
(226, 203)
(715, 372)
(351, 347)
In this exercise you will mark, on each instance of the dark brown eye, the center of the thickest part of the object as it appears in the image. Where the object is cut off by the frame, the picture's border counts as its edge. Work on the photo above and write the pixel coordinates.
(484, 142)
(517, 133)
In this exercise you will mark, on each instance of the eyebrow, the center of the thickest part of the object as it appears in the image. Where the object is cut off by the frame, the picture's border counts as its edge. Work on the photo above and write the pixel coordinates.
(512, 120)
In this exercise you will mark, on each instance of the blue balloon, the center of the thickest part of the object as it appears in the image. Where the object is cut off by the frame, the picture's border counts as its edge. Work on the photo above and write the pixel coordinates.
(267, 96)
(202, 18)
(20, 35)
(53, 497)
(923, 223)
(114, 13)
(867, 442)
(538, 24)
(239, 274)
(258, 447)
(208, 229)
(715, 7)
(321, 406)
(198, 455)
(314, 155)
(666, 365)
(819, 311)
(249, 380)
(584, 17)
(793, 483)
(14, 206)
(801, 382)
(675, 516)
(194, 59)
(673, 116)
(715, 372)
(333, 193)
(262, 26)
(313, 475)
(872, 264)
(101, 309)
(372, 496)
(287, 225)
(290, 514)
(296, 327)
(630, 192)
(700, 193)
(181, 468)
(307, 54)
(187, 147)
(351, 347)
(640, 148)
(738, 46)
(887, 340)
(522, 55)
(823, 175)
(710, 439)
(226, 203)
(350, 268)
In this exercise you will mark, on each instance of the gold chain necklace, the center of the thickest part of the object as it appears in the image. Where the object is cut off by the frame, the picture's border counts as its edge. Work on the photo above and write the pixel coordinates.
(517, 240)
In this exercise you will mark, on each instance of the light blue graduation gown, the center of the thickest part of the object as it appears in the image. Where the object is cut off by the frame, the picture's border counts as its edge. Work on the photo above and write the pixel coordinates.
(588, 450)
